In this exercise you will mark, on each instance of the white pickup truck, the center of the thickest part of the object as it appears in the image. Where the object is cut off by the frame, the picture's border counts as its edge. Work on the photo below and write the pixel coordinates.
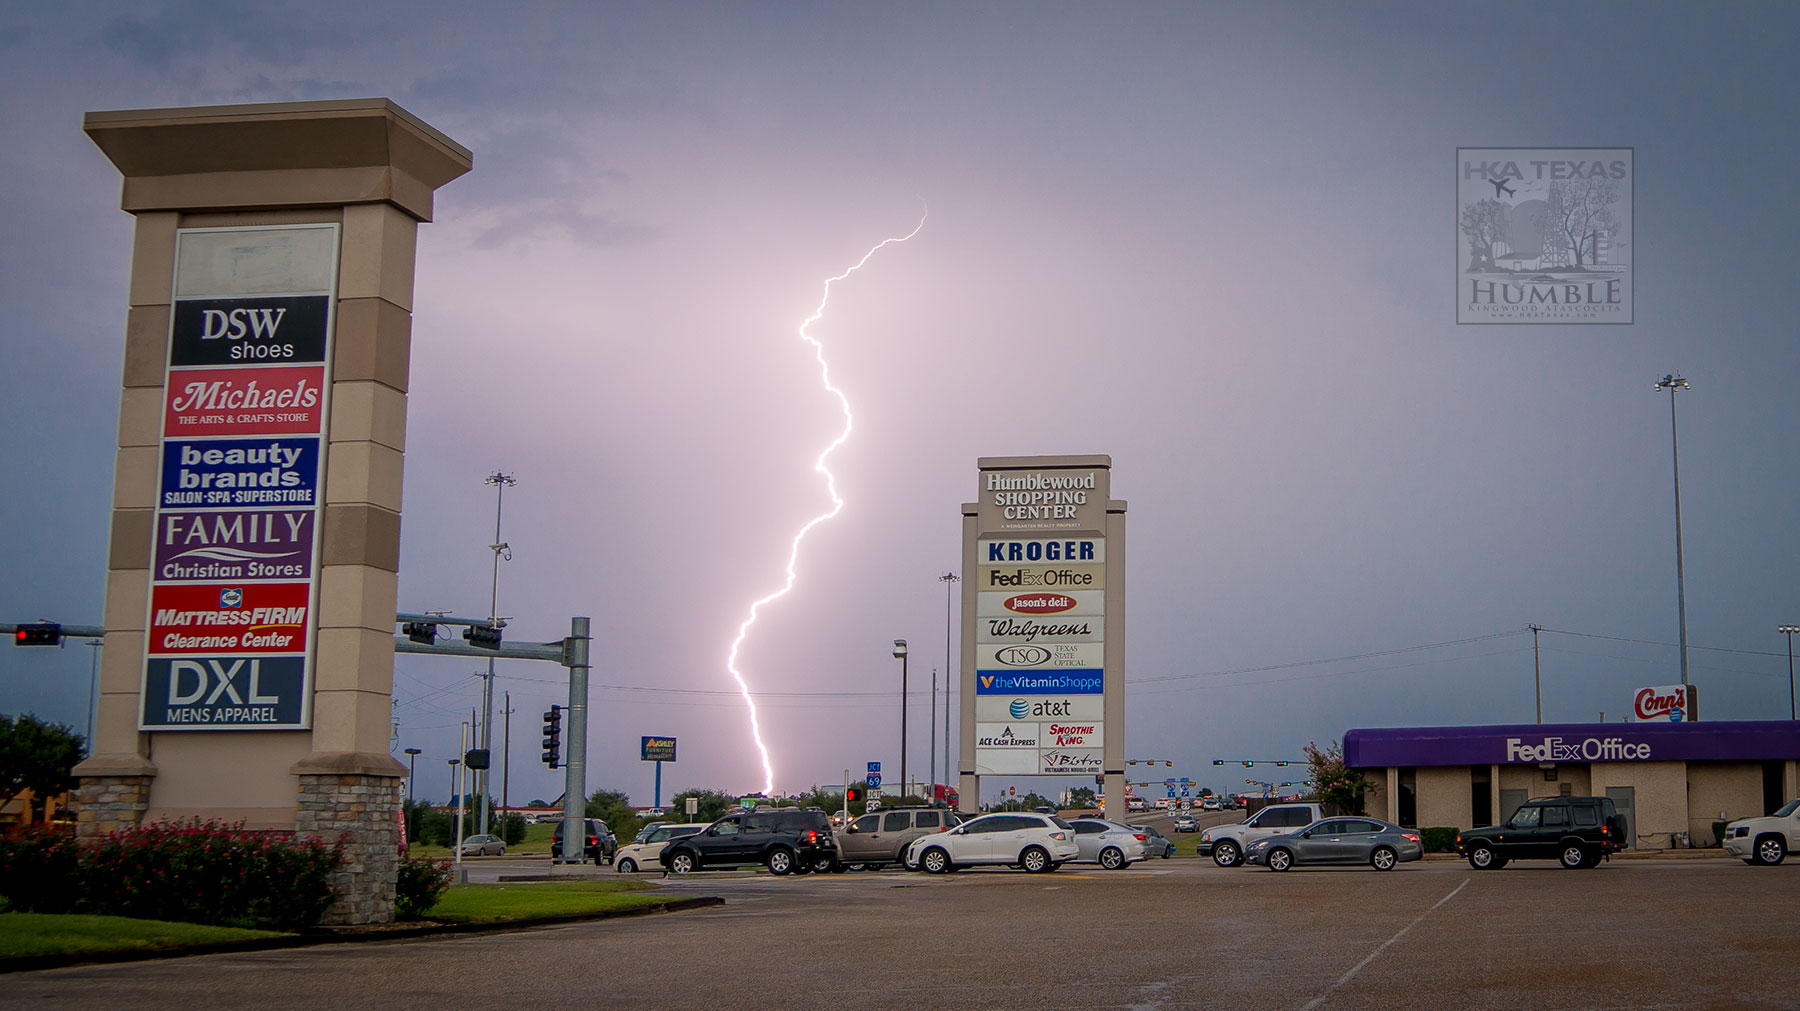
(1225, 843)
(1764, 840)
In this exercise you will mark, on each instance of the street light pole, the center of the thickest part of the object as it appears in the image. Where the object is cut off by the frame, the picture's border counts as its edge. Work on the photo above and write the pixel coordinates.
(900, 651)
(1537, 672)
(949, 579)
(412, 770)
(1672, 383)
(500, 482)
(1789, 630)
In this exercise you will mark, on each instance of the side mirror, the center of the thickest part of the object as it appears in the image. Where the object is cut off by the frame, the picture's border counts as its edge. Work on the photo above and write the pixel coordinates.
(1306, 834)
(850, 828)
(957, 830)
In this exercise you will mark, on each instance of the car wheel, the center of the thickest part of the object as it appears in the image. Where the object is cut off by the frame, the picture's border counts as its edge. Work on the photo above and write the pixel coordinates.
(1168, 851)
(627, 866)
(1573, 856)
(934, 861)
(1227, 854)
(781, 860)
(1384, 858)
(1280, 859)
(1483, 858)
(1034, 860)
(1770, 850)
(822, 865)
(1111, 858)
(681, 863)
(839, 867)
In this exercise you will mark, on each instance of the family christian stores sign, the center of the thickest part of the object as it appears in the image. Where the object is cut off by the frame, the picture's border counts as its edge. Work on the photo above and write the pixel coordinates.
(234, 588)
(1044, 590)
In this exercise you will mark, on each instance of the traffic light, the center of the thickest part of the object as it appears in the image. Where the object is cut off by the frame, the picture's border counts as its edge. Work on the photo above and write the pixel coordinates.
(1218, 761)
(422, 632)
(41, 633)
(482, 636)
(855, 795)
(553, 737)
(1280, 764)
(476, 758)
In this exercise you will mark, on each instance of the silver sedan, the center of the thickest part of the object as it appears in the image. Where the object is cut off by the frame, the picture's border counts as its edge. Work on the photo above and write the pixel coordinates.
(1342, 840)
(1108, 843)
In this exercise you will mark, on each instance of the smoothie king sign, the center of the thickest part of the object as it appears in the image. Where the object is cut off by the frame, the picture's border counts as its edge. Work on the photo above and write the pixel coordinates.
(234, 583)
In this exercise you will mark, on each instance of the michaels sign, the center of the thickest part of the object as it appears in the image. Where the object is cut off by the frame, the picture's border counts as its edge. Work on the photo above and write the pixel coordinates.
(1591, 749)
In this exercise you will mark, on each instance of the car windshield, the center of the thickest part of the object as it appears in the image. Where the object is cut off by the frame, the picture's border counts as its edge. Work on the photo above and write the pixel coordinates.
(1786, 809)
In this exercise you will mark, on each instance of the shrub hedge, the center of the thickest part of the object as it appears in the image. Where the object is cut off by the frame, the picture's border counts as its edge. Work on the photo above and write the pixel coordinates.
(421, 883)
(1438, 838)
(192, 872)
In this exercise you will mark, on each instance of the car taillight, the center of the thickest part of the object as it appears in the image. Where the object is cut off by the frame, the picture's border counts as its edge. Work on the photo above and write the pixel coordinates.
(1604, 830)
(1409, 837)
(812, 836)
(1139, 836)
(1058, 835)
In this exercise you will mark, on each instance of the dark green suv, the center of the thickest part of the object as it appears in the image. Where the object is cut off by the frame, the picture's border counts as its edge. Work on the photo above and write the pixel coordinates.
(1578, 831)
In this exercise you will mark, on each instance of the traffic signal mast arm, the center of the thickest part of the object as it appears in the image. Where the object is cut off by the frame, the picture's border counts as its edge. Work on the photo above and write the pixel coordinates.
(418, 626)
(49, 633)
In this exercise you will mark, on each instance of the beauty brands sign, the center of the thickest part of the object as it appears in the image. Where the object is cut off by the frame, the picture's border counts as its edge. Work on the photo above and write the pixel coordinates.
(246, 394)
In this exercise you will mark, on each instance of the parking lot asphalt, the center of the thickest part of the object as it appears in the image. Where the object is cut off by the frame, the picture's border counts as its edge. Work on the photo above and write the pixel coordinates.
(1176, 934)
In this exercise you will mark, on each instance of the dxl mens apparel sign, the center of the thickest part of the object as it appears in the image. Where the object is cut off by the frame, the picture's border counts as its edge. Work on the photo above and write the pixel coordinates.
(234, 592)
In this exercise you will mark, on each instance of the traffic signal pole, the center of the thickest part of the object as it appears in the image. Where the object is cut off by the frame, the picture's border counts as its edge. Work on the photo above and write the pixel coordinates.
(575, 775)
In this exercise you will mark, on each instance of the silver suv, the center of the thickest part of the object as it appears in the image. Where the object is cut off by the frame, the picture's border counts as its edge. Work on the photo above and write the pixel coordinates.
(1226, 843)
(882, 837)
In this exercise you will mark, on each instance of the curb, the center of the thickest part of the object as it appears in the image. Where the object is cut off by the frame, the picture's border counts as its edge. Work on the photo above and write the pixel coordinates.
(33, 963)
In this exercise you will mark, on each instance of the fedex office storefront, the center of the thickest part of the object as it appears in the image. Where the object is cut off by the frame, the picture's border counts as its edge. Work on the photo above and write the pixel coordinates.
(1670, 780)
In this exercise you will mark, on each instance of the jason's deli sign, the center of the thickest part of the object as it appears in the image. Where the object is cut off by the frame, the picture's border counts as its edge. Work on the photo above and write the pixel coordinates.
(1591, 749)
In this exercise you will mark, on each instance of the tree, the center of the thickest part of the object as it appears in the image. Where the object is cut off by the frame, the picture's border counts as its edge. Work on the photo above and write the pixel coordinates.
(1082, 796)
(614, 808)
(37, 756)
(712, 805)
(1574, 214)
(1483, 224)
(1335, 783)
(1206, 791)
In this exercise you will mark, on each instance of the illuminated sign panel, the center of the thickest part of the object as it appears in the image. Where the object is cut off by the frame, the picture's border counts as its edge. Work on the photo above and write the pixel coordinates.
(246, 398)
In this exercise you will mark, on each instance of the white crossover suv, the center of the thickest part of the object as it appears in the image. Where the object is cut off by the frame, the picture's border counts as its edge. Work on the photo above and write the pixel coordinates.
(1764, 840)
(1036, 842)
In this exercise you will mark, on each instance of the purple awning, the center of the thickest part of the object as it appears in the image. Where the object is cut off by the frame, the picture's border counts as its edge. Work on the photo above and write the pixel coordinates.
(1531, 743)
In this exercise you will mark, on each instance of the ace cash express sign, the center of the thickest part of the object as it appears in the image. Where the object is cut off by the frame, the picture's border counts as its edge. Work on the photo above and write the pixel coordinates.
(246, 395)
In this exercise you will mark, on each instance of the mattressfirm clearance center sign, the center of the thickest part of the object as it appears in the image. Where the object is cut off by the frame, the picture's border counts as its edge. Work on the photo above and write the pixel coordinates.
(1040, 622)
(234, 588)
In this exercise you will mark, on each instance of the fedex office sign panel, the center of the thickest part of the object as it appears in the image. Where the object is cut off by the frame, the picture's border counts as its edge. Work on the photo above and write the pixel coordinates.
(1592, 749)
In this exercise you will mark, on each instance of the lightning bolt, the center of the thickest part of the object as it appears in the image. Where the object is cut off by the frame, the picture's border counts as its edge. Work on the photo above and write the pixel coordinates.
(837, 502)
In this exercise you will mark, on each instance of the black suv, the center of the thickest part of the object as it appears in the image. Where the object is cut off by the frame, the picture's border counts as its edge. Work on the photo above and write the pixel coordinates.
(1579, 831)
(790, 841)
(598, 847)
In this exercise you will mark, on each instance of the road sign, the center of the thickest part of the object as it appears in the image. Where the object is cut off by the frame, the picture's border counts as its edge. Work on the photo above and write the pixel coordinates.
(1171, 788)
(874, 768)
(1184, 792)
(873, 780)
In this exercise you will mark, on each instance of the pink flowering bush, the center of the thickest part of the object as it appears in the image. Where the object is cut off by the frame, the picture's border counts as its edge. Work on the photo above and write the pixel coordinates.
(39, 868)
(421, 883)
(193, 872)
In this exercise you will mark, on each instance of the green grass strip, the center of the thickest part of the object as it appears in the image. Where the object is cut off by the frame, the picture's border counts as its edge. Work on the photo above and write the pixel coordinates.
(45, 934)
(483, 903)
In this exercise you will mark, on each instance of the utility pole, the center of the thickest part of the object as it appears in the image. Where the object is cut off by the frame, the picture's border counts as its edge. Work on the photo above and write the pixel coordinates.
(900, 654)
(1672, 383)
(506, 753)
(1537, 673)
(1789, 631)
(949, 579)
(500, 482)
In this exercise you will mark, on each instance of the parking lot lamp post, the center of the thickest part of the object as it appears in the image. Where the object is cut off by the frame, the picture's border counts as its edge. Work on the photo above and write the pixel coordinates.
(1789, 630)
(949, 579)
(1672, 383)
(412, 770)
(900, 652)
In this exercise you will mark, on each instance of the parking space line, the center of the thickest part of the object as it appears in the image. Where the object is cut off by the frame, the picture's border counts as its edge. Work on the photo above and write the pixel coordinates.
(1360, 966)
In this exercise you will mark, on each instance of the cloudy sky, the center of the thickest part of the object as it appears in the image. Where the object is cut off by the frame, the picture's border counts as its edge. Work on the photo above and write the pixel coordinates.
(1215, 242)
